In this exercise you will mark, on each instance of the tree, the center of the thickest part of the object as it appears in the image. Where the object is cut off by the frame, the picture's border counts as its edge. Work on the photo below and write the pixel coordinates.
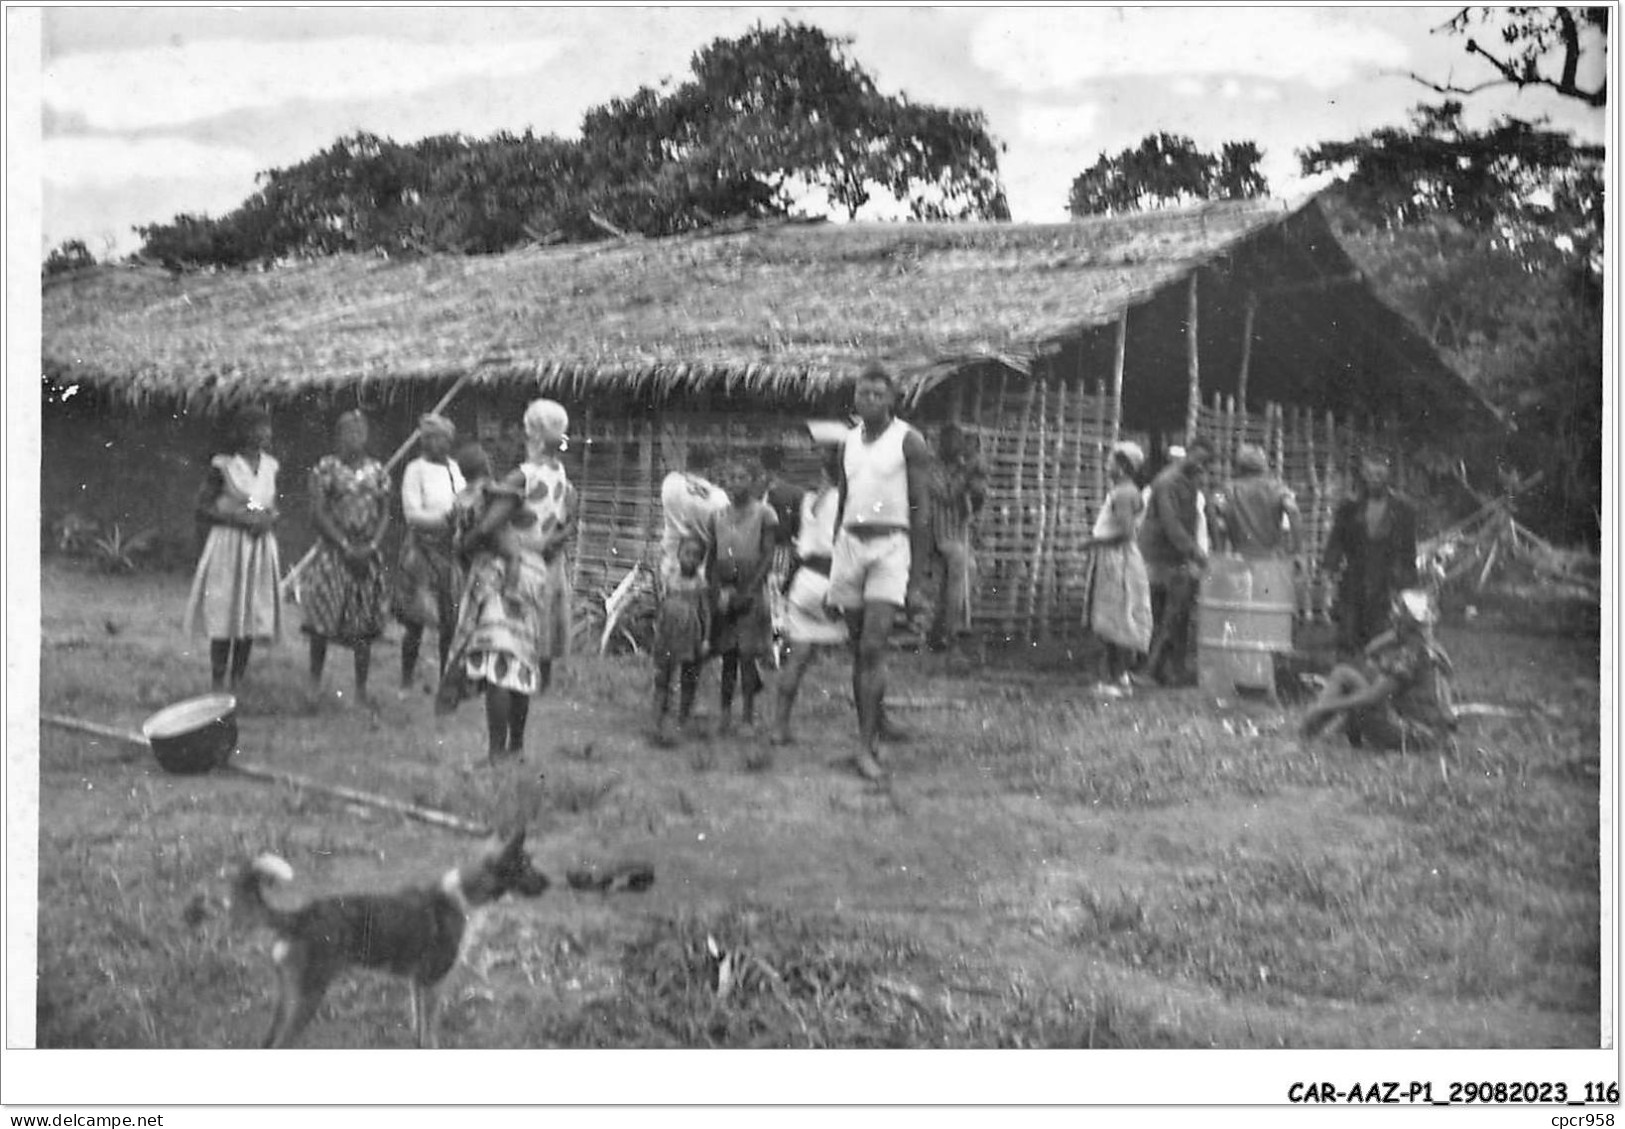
(68, 256)
(1491, 242)
(1535, 187)
(1166, 169)
(762, 119)
(1533, 42)
(785, 106)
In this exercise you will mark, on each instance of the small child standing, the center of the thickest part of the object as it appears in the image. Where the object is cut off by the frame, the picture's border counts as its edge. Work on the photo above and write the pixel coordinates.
(682, 632)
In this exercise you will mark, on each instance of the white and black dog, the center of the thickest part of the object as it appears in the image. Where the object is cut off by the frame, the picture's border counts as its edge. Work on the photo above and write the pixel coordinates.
(416, 933)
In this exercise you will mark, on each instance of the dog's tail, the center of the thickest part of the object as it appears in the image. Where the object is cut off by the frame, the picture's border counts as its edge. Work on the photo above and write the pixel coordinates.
(248, 904)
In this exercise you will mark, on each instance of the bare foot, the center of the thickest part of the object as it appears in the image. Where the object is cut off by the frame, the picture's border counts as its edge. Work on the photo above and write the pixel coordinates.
(868, 766)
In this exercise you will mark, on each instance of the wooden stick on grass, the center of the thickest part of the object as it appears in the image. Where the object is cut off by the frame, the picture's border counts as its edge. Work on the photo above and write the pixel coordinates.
(257, 772)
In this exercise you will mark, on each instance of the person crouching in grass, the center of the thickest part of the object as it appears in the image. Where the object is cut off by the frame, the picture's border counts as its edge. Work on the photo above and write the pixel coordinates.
(1398, 699)
(742, 536)
(682, 636)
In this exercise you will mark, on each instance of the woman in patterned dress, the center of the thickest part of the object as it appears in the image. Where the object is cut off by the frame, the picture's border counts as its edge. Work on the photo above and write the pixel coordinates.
(236, 597)
(344, 591)
(510, 629)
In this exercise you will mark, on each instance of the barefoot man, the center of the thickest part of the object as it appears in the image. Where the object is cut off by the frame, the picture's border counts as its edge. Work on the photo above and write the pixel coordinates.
(881, 544)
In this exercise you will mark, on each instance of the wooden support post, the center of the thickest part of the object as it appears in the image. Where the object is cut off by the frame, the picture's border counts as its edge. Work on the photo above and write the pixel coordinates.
(1193, 401)
(1034, 603)
(1117, 375)
(1234, 435)
(1047, 562)
(585, 484)
(1099, 489)
(1246, 349)
(1278, 453)
(1019, 529)
(1312, 536)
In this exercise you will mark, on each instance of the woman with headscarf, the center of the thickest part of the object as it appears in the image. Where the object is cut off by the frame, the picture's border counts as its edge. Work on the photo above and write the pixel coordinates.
(1118, 604)
(344, 589)
(510, 629)
(427, 579)
(236, 597)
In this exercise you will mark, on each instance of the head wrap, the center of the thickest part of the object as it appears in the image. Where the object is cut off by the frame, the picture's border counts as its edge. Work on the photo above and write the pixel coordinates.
(546, 420)
(1251, 457)
(431, 424)
(1175, 451)
(1131, 452)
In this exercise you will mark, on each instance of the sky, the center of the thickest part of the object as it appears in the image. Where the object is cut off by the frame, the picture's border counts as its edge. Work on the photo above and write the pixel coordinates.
(149, 112)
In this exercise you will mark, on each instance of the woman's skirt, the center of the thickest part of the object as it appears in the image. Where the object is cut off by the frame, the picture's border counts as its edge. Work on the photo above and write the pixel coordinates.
(236, 592)
(507, 635)
(343, 602)
(806, 620)
(428, 581)
(1119, 604)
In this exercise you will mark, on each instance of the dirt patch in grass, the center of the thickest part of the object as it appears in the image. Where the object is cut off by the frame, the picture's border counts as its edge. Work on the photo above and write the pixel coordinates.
(1046, 870)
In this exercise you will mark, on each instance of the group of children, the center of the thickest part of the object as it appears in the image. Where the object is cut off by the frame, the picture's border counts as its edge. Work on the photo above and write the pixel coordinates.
(718, 589)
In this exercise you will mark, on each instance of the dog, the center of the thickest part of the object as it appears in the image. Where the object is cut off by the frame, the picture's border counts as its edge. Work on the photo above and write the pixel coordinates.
(416, 933)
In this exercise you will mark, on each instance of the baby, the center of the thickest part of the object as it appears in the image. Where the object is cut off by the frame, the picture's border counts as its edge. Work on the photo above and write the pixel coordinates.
(471, 506)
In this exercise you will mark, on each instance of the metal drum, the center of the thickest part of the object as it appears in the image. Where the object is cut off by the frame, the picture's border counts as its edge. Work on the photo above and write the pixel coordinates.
(1244, 618)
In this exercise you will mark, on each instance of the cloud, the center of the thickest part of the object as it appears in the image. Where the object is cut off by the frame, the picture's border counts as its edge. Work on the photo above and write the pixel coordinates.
(164, 86)
(1070, 124)
(105, 161)
(1038, 50)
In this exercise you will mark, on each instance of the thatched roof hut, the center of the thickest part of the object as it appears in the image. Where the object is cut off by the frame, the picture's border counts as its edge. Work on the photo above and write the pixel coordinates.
(1051, 339)
(786, 310)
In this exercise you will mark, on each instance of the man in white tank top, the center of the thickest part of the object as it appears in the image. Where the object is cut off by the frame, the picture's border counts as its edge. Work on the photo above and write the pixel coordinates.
(881, 546)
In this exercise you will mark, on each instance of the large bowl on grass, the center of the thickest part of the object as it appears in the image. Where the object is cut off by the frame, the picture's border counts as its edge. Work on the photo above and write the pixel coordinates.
(197, 735)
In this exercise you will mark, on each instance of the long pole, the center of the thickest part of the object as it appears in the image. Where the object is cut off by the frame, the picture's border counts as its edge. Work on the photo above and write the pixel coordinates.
(259, 772)
(289, 580)
(1193, 403)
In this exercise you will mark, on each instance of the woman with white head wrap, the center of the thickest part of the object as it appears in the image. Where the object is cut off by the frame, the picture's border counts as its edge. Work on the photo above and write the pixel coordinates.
(511, 627)
(1118, 601)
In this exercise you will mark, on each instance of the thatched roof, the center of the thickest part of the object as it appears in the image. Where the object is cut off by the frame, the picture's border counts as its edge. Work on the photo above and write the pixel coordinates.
(792, 309)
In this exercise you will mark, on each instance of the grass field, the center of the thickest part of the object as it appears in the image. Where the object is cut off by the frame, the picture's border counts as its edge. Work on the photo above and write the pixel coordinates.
(1046, 870)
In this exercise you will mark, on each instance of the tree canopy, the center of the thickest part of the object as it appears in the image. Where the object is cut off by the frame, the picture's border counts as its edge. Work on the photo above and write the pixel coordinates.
(1166, 169)
(762, 122)
(1491, 241)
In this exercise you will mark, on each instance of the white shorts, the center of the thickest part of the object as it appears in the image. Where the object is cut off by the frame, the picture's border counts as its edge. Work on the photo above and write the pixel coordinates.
(870, 570)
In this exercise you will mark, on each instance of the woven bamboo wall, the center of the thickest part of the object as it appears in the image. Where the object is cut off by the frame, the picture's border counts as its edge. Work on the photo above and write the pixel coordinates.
(1043, 443)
